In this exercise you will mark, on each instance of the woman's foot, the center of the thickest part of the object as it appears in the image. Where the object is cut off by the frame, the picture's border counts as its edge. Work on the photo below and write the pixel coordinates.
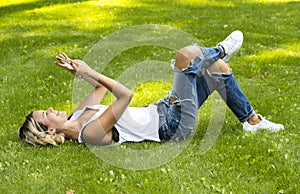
(252, 125)
(231, 44)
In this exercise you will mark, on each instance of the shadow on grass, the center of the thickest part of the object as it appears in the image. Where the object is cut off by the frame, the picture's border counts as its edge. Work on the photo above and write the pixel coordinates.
(11, 9)
(274, 24)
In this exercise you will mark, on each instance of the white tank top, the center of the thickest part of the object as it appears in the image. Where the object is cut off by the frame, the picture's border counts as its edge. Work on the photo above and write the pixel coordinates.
(135, 124)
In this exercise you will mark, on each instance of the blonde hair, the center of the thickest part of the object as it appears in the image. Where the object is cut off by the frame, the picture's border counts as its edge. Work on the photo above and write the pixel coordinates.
(34, 133)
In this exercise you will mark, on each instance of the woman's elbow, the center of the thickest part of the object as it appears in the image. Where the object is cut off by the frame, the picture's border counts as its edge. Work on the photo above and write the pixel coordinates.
(130, 95)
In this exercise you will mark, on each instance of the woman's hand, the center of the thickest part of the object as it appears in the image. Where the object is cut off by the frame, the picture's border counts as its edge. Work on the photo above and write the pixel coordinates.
(65, 62)
(81, 68)
(76, 67)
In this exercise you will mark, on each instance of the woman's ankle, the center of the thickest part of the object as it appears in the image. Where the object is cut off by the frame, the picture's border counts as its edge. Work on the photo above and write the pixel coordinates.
(254, 120)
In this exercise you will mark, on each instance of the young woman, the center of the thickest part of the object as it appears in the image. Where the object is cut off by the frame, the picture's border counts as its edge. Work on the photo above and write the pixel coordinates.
(198, 71)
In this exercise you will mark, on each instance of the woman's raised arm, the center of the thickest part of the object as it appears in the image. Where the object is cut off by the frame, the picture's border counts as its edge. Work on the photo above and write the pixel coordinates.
(99, 131)
(95, 96)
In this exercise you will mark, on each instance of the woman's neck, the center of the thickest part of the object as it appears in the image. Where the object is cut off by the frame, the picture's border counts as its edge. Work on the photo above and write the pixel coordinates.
(71, 130)
(72, 127)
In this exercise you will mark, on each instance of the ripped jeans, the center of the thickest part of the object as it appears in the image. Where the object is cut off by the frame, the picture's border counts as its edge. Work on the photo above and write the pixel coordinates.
(178, 119)
(228, 88)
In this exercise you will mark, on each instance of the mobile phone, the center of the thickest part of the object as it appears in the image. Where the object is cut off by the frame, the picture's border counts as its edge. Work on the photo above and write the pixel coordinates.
(63, 60)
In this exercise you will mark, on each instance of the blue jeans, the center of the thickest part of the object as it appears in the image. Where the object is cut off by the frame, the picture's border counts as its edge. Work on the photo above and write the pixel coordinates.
(178, 119)
(228, 88)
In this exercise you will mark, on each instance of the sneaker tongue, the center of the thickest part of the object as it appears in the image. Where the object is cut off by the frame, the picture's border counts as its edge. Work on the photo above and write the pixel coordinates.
(225, 49)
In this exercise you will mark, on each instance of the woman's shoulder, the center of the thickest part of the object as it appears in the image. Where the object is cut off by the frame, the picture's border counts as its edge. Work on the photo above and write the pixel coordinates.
(78, 113)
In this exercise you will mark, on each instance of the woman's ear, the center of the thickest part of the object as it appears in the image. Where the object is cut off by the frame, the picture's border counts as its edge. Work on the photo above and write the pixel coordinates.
(51, 131)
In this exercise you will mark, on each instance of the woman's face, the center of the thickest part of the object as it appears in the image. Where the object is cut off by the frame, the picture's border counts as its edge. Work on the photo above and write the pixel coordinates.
(51, 118)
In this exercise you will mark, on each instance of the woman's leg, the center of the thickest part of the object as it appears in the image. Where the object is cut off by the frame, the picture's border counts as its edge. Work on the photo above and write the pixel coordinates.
(219, 77)
(206, 84)
(181, 115)
(222, 80)
(234, 97)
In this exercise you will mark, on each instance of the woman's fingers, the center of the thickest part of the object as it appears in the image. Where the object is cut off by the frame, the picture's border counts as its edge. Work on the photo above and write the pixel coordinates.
(60, 64)
(62, 60)
(65, 55)
(65, 62)
(62, 57)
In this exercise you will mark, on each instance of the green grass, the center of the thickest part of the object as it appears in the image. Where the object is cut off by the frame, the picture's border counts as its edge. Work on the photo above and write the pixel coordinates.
(34, 32)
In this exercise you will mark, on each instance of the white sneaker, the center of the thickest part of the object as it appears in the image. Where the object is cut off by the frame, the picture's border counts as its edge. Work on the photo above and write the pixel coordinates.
(263, 124)
(231, 44)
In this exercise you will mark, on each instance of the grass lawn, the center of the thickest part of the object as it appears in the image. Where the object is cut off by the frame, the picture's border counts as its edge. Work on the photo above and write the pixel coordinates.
(33, 32)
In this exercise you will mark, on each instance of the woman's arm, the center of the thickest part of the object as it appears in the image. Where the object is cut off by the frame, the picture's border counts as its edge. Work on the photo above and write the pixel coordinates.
(123, 94)
(65, 62)
(95, 95)
(99, 131)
